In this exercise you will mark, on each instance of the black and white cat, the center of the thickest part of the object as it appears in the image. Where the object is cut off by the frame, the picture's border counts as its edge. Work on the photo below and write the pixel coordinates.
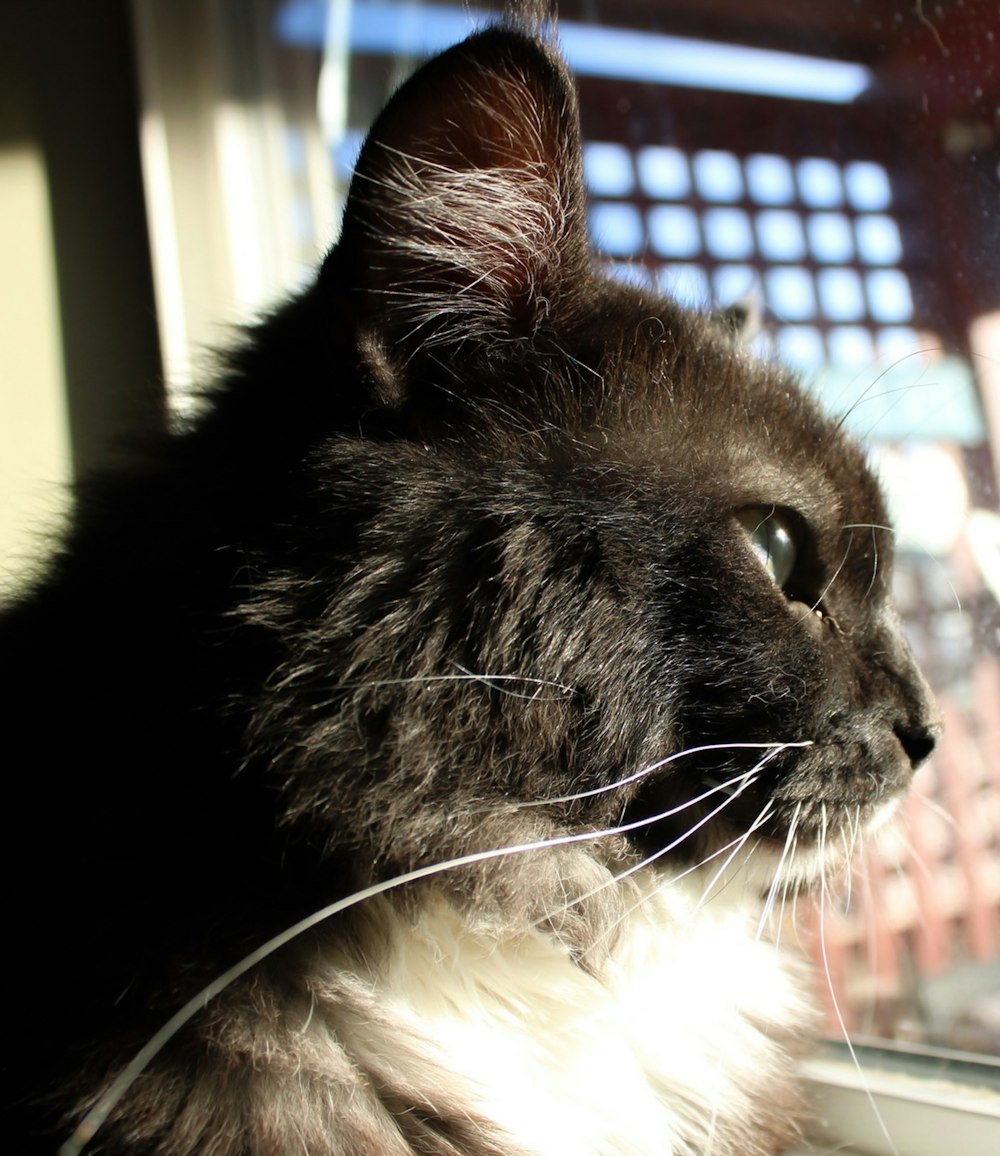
(474, 550)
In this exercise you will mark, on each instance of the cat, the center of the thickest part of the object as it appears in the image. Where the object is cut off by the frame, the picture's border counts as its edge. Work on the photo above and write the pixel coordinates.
(480, 561)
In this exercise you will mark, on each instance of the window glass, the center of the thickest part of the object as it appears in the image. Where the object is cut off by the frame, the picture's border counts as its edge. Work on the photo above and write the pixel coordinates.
(718, 176)
(664, 173)
(608, 169)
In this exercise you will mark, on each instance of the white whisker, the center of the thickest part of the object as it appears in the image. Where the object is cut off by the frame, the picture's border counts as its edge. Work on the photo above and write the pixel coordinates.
(784, 889)
(871, 581)
(87, 1127)
(831, 987)
(935, 806)
(833, 578)
(668, 880)
(772, 891)
(661, 851)
(863, 396)
(490, 680)
(933, 559)
(773, 750)
(740, 844)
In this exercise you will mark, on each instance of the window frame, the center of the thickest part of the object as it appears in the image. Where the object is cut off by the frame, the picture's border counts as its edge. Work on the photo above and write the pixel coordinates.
(929, 1102)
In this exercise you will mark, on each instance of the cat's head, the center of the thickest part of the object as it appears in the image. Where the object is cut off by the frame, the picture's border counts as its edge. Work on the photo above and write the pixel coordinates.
(593, 563)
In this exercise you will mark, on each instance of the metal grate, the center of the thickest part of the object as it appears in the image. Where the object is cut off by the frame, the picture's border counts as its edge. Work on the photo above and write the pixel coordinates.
(817, 241)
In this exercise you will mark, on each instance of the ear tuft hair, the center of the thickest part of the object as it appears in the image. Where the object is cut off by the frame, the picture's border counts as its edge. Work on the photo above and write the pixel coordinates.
(466, 213)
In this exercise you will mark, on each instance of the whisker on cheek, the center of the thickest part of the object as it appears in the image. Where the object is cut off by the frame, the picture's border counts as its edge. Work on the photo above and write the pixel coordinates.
(709, 889)
(667, 881)
(832, 990)
(778, 881)
(741, 782)
(772, 749)
(144, 1057)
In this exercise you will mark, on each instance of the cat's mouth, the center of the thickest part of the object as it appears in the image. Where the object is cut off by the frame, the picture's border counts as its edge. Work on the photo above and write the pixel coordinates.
(794, 825)
(795, 796)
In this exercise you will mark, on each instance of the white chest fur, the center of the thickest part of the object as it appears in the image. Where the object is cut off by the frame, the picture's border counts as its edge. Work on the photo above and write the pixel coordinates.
(678, 1044)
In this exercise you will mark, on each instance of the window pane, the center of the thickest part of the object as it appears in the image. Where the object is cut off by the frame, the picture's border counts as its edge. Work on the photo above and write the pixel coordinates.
(841, 295)
(780, 236)
(889, 296)
(733, 282)
(674, 231)
(664, 173)
(867, 186)
(607, 169)
(688, 283)
(728, 233)
(617, 229)
(851, 345)
(830, 237)
(718, 176)
(819, 183)
(770, 180)
(790, 293)
(801, 346)
(879, 242)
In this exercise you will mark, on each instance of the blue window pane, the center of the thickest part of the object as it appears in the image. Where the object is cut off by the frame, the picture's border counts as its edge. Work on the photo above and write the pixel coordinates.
(868, 186)
(664, 173)
(850, 345)
(879, 242)
(841, 295)
(728, 233)
(896, 342)
(686, 283)
(733, 282)
(830, 237)
(718, 176)
(819, 183)
(790, 293)
(770, 180)
(801, 346)
(617, 229)
(780, 236)
(673, 230)
(889, 297)
(607, 169)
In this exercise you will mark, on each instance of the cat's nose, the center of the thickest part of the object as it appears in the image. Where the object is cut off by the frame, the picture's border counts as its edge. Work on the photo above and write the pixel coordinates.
(917, 741)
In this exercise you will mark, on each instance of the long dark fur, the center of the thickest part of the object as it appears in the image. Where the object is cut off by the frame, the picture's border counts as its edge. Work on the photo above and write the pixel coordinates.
(454, 541)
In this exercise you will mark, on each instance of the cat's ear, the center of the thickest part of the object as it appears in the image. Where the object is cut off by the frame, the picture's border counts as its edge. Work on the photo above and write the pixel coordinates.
(466, 217)
(742, 319)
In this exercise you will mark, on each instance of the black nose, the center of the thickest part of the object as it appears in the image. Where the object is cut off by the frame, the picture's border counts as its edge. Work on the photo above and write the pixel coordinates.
(917, 741)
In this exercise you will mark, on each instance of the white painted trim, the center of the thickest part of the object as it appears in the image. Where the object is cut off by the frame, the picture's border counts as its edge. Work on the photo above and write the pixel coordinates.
(904, 1109)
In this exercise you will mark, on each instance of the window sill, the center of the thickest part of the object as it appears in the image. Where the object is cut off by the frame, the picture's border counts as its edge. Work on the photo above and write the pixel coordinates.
(932, 1104)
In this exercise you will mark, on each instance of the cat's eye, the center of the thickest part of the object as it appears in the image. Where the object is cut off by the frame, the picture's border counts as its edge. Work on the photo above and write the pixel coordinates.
(772, 538)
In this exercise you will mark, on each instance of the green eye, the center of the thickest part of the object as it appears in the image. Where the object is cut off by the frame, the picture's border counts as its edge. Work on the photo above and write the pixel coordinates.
(772, 540)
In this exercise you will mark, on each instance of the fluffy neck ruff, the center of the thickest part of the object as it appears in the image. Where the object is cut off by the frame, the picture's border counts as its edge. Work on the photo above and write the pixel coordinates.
(680, 1037)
